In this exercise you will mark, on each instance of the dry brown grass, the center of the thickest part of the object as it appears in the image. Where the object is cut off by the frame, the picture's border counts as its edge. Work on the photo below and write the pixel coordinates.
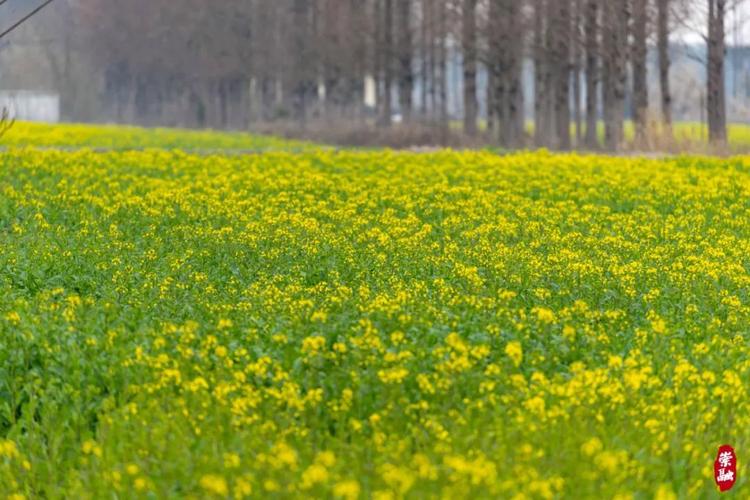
(362, 134)
(659, 139)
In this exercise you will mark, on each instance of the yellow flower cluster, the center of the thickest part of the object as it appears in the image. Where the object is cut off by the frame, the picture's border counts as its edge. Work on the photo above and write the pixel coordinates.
(71, 136)
(371, 324)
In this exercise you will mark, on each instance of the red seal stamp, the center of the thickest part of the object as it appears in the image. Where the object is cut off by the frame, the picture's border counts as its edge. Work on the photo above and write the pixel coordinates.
(725, 468)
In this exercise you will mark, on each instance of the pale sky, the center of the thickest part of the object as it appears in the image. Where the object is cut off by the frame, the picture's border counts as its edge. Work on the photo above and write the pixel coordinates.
(737, 25)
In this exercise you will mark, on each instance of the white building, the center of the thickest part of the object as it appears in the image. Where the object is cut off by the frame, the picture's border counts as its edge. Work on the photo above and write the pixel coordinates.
(31, 106)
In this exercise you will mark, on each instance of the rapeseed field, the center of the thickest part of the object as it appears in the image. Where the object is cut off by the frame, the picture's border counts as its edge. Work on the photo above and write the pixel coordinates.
(371, 325)
(119, 137)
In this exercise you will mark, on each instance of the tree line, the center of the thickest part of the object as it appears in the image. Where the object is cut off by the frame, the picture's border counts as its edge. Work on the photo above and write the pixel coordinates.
(229, 63)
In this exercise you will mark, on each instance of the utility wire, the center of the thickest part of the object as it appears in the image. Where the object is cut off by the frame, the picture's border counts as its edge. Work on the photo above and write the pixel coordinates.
(25, 18)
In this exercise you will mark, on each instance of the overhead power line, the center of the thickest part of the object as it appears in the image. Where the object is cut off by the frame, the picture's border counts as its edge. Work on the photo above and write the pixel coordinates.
(24, 18)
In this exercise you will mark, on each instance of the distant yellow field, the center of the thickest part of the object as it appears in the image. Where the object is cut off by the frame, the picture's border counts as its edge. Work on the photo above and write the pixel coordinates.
(693, 136)
(124, 137)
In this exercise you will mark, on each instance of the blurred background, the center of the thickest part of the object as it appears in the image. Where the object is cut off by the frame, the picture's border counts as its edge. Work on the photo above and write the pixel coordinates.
(507, 72)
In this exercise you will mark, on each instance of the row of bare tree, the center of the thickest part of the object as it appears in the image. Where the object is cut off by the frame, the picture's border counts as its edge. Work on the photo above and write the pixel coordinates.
(590, 62)
(228, 63)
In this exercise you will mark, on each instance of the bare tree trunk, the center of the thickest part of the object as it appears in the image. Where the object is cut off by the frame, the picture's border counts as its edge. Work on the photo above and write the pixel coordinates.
(716, 93)
(541, 138)
(303, 72)
(591, 27)
(385, 49)
(560, 26)
(615, 24)
(664, 63)
(406, 73)
(640, 89)
(377, 57)
(491, 118)
(549, 122)
(470, 66)
(433, 77)
(497, 37)
(424, 56)
(516, 115)
(360, 63)
(442, 74)
(506, 55)
(576, 69)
